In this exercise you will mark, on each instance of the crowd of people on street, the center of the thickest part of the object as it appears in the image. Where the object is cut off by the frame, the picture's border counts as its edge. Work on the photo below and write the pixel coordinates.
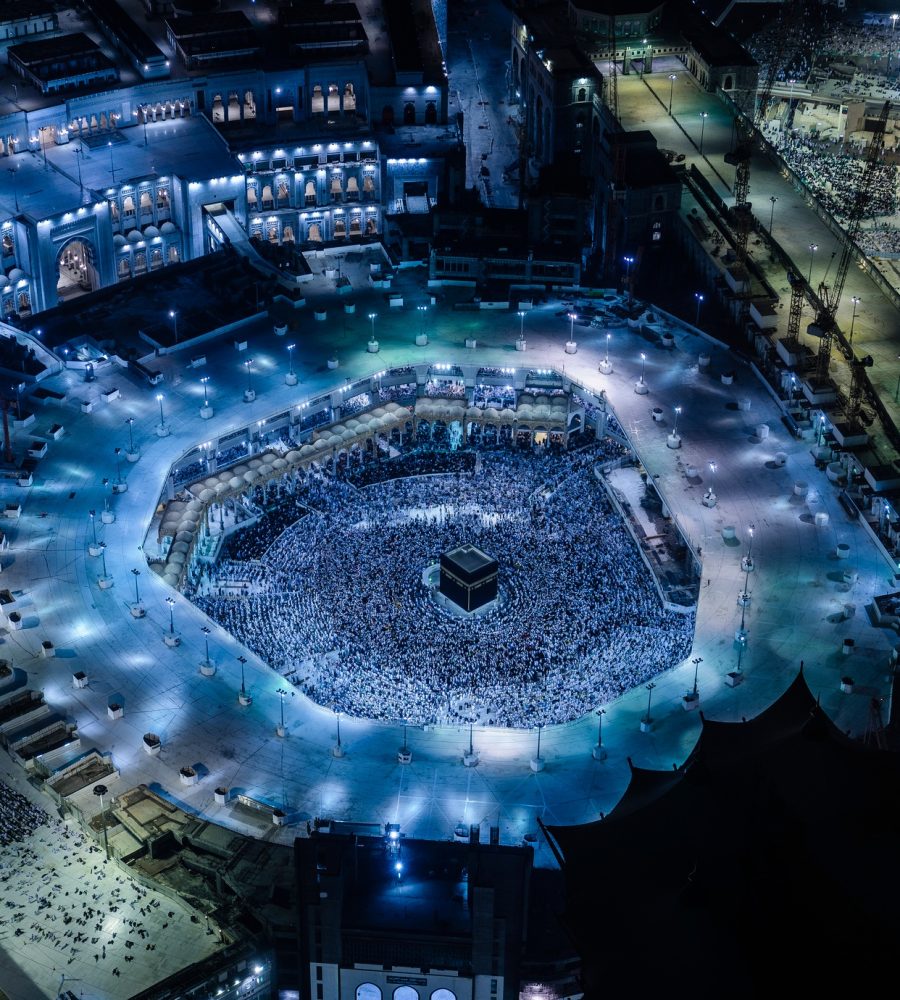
(343, 602)
(61, 901)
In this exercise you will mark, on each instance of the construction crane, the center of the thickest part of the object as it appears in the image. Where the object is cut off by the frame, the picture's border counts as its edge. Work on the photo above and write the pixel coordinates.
(746, 127)
(830, 295)
(617, 184)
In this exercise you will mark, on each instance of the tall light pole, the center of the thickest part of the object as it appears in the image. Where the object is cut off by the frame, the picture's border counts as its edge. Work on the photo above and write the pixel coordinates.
(607, 347)
(643, 367)
(699, 297)
(93, 515)
(205, 629)
(243, 693)
(521, 315)
(598, 752)
(372, 318)
(248, 364)
(856, 301)
(422, 310)
(171, 602)
(338, 749)
(112, 166)
(137, 594)
(672, 78)
(697, 660)
(130, 422)
(173, 316)
(628, 262)
(290, 350)
(572, 317)
(282, 694)
(703, 116)
(649, 688)
(79, 152)
(162, 419)
(203, 382)
(812, 251)
(772, 199)
(675, 422)
(100, 791)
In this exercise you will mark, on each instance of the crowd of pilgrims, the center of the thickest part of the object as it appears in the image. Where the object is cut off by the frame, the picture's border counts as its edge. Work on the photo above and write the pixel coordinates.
(832, 173)
(335, 600)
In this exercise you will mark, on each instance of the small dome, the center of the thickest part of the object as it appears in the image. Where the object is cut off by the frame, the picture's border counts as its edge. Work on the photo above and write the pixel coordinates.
(150, 231)
(167, 227)
(135, 236)
(119, 240)
(15, 274)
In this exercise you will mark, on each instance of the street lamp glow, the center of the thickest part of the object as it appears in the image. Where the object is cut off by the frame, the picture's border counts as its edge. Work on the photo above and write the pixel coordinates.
(290, 350)
(855, 299)
(699, 297)
(572, 317)
(703, 116)
(173, 316)
(672, 78)
(203, 381)
(675, 424)
(159, 399)
(812, 250)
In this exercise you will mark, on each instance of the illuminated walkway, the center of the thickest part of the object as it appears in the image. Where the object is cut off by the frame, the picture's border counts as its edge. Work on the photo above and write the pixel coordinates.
(796, 588)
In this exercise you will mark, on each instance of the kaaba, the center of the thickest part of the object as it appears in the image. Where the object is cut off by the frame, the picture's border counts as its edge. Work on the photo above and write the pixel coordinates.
(468, 577)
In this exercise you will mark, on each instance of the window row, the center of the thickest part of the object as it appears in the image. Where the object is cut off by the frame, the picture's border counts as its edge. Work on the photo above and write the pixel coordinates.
(143, 260)
(333, 100)
(272, 196)
(369, 991)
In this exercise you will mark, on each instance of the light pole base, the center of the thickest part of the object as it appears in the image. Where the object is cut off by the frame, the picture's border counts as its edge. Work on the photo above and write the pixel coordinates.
(138, 611)
(162, 430)
(422, 340)
(536, 764)
(734, 678)
(206, 411)
(690, 701)
(747, 564)
(470, 759)
(710, 499)
(207, 668)
(95, 550)
(290, 379)
(599, 752)
(120, 487)
(521, 344)
(172, 639)
(646, 725)
(372, 347)
(249, 395)
(245, 699)
(337, 750)
(641, 387)
(105, 582)
(571, 347)
(280, 731)
(107, 517)
(605, 368)
(404, 755)
(673, 441)
(132, 456)
(743, 599)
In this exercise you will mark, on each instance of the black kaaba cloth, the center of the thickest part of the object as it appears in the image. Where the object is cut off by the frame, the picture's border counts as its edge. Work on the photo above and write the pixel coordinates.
(468, 577)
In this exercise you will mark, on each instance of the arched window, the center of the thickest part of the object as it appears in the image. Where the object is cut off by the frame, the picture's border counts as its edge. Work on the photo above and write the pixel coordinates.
(728, 84)
(124, 268)
(310, 193)
(114, 211)
(431, 113)
(128, 205)
(267, 199)
(352, 188)
(283, 192)
(272, 233)
(162, 198)
(251, 194)
(443, 995)
(356, 225)
(8, 245)
(582, 94)
(218, 109)
(340, 229)
(368, 991)
(288, 236)
(234, 107)
(371, 227)
(336, 187)
(659, 203)
(315, 233)
(173, 255)
(146, 203)
(156, 259)
(349, 98)
(249, 104)
(409, 113)
(406, 993)
(318, 99)
(368, 186)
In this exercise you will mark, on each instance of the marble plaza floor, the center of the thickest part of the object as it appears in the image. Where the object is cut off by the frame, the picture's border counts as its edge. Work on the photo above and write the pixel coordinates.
(796, 612)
